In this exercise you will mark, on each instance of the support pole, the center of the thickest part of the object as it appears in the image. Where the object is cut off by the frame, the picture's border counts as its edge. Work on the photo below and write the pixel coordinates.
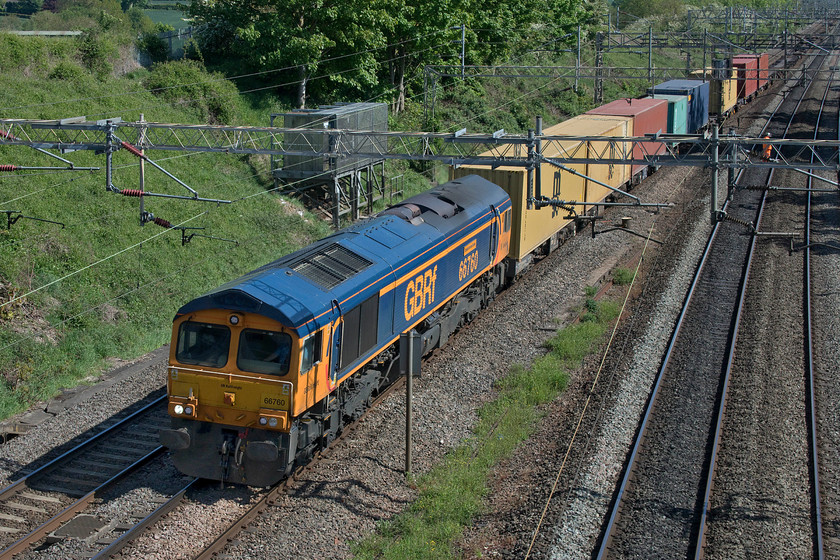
(733, 159)
(410, 344)
(715, 162)
(109, 157)
(577, 62)
(336, 203)
(532, 165)
(650, 56)
(538, 149)
(142, 173)
(599, 60)
(463, 47)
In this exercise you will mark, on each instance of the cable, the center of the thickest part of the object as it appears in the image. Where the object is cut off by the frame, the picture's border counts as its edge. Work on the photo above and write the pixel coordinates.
(589, 397)
(80, 270)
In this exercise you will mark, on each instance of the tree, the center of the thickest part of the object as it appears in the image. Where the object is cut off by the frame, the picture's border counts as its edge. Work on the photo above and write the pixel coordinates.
(300, 38)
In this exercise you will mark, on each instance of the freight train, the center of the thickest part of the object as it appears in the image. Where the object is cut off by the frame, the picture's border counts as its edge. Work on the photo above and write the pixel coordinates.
(267, 369)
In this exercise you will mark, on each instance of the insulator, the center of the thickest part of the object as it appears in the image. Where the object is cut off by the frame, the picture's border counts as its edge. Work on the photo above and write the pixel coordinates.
(9, 167)
(162, 223)
(132, 192)
(133, 149)
(746, 224)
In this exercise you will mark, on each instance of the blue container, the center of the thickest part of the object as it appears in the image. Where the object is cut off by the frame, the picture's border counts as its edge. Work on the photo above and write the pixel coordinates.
(677, 112)
(697, 92)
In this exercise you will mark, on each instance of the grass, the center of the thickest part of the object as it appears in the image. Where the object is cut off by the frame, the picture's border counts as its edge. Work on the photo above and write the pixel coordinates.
(450, 496)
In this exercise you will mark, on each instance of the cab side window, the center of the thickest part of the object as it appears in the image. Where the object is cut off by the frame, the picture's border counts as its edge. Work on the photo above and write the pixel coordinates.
(310, 353)
(506, 221)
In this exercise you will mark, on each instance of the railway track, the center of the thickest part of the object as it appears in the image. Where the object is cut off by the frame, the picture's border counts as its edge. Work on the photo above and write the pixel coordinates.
(46, 504)
(661, 502)
(823, 242)
(269, 497)
(760, 476)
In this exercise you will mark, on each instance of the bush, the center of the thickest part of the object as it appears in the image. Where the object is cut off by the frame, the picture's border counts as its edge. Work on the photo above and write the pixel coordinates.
(24, 6)
(65, 70)
(154, 46)
(187, 83)
(192, 51)
(622, 276)
(96, 53)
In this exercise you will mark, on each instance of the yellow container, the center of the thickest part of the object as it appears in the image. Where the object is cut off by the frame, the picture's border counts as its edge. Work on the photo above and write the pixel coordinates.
(723, 94)
(531, 228)
(614, 175)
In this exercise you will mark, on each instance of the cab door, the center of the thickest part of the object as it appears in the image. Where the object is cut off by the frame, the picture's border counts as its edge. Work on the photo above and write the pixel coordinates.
(335, 346)
(494, 234)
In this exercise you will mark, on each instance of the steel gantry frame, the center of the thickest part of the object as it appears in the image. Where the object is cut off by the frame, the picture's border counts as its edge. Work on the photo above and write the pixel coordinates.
(710, 44)
(709, 150)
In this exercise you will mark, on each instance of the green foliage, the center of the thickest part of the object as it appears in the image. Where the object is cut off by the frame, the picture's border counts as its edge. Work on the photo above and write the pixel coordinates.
(373, 49)
(138, 20)
(622, 276)
(192, 51)
(128, 5)
(186, 83)
(66, 70)
(23, 6)
(151, 44)
(96, 51)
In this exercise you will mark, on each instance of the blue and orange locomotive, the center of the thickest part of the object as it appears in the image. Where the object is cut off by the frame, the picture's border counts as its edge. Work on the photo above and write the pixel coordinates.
(268, 368)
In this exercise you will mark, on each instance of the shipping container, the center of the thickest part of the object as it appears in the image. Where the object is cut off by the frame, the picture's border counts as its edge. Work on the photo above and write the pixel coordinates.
(677, 112)
(531, 228)
(697, 92)
(763, 69)
(614, 175)
(650, 116)
(747, 68)
(723, 87)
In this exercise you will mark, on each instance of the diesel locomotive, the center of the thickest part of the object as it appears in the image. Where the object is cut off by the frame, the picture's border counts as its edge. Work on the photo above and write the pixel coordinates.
(268, 368)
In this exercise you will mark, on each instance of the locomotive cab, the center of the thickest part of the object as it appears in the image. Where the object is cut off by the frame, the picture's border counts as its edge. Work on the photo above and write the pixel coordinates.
(239, 378)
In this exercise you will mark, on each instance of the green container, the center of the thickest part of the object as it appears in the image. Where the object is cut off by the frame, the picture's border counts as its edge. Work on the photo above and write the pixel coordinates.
(677, 112)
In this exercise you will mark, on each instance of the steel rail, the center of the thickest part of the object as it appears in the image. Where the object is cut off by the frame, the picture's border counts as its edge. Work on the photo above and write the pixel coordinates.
(270, 497)
(819, 552)
(21, 482)
(609, 529)
(70, 511)
(133, 533)
(699, 543)
(84, 501)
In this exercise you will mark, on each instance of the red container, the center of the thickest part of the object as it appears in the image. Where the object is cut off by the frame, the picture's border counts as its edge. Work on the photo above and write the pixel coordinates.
(763, 69)
(649, 117)
(747, 66)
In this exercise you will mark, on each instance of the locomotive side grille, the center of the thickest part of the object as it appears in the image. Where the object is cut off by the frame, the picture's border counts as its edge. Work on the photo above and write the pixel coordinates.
(330, 266)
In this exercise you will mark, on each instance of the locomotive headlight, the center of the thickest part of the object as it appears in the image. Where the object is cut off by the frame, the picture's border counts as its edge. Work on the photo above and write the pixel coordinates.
(234, 319)
(263, 421)
(188, 410)
(272, 422)
(179, 409)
